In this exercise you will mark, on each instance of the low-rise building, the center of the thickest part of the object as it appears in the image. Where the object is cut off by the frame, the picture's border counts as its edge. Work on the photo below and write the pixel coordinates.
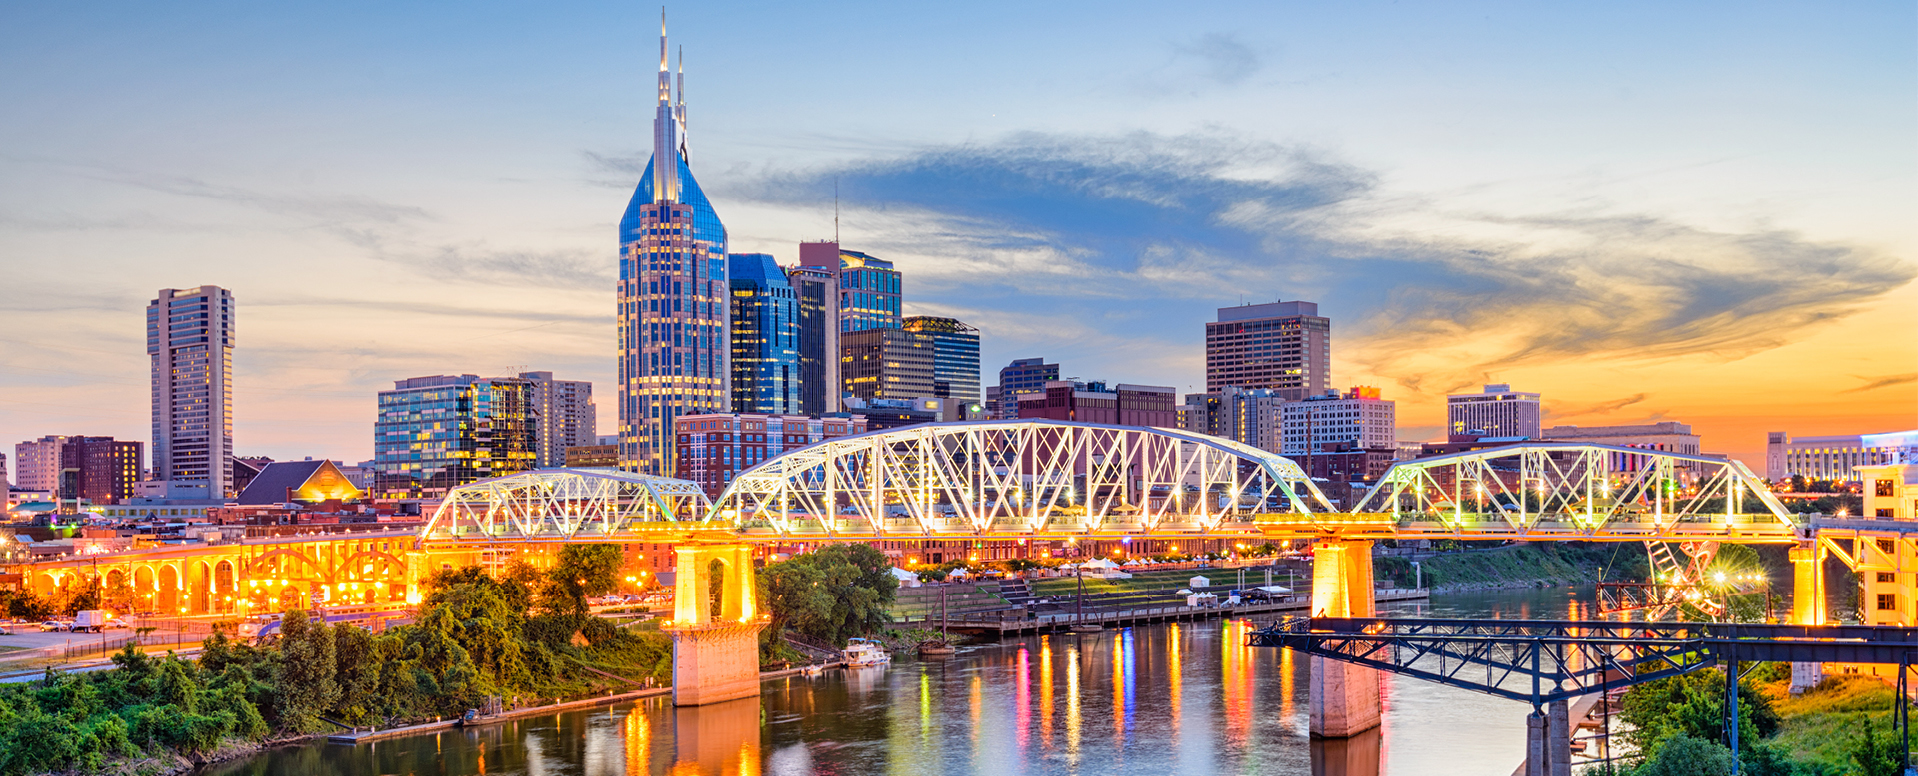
(714, 448)
(1357, 419)
(1835, 458)
(1122, 405)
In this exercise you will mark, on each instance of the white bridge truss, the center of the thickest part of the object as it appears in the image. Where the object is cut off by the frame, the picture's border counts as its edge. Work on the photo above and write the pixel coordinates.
(568, 504)
(1016, 477)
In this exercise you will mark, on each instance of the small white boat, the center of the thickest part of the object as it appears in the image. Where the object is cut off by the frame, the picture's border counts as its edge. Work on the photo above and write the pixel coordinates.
(814, 669)
(865, 652)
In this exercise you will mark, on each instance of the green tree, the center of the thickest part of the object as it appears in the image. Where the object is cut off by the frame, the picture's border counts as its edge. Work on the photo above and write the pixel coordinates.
(833, 594)
(1687, 756)
(1875, 753)
(582, 571)
(308, 669)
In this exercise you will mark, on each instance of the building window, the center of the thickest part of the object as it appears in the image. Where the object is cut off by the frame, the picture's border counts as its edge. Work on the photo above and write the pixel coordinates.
(1884, 488)
(1887, 602)
(1887, 546)
(1883, 513)
(1886, 576)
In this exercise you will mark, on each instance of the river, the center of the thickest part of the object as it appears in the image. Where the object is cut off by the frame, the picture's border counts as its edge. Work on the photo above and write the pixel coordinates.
(1184, 698)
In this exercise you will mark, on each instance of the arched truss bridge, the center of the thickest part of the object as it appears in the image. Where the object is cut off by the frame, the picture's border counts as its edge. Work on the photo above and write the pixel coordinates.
(569, 505)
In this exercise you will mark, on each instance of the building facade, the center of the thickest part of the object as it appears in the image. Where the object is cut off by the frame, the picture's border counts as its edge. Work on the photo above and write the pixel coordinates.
(1357, 419)
(1668, 436)
(566, 415)
(765, 338)
(955, 363)
(713, 449)
(674, 328)
(190, 343)
(440, 432)
(887, 363)
(816, 291)
(869, 293)
(1283, 346)
(1022, 376)
(1835, 457)
(99, 470)
(1124, 405)
(37, 463)
(1497, 411)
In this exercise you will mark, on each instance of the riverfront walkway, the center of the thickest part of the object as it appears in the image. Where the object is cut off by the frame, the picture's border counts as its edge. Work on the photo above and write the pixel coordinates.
(1017, 622)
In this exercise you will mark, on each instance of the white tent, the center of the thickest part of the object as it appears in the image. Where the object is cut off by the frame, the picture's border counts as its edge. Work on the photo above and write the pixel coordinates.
(957, 574)
(1276, 590)
(1199, 582)
(1100, 563)
(905, 578)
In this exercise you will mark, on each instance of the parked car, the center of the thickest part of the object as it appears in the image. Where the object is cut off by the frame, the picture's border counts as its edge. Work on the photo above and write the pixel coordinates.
(54, 625)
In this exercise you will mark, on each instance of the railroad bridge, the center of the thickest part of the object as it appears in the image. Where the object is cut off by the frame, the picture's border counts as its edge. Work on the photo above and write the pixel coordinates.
(1015, 479)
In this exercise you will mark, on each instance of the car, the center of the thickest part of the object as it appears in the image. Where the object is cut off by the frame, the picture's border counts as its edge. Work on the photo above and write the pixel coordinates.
(55, 626)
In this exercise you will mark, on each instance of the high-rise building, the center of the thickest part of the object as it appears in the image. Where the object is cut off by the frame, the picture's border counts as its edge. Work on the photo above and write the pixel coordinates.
(6, 481)
(1123, 405)
(98, 470)
(716, 448)
(190, 340)
(869, 296)
(886, 363)
(1284, 346)
(566, 415)
(1498, 411)
(1022, 376)
(674, 328)
(38, 462)
(765, 338)
(1355, 420)
(955, 363)
(439, 432)
(815, 284)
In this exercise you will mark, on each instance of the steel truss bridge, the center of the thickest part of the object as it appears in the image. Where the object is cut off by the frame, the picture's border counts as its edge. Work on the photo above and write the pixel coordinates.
(1546, 661)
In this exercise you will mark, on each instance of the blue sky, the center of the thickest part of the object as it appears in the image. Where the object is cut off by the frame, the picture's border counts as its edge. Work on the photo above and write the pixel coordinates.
(1696, 212)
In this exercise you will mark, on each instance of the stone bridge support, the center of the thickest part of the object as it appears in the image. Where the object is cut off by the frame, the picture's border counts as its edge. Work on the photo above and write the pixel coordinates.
(1345, 697)
(715, 656)
(1807, 605)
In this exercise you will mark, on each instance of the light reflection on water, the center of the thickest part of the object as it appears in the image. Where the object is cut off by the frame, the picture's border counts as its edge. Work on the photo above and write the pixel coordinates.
(1187, 698)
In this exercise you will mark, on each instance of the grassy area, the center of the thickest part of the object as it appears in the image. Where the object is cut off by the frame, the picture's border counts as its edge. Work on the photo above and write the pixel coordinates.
(1821, 723)
(1520, 565)
(1148, 581)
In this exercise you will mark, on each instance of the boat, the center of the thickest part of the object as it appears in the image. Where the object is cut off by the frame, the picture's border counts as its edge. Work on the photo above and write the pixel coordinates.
(1086, 627)
(936, 648)
(811, 670)
(865, 652)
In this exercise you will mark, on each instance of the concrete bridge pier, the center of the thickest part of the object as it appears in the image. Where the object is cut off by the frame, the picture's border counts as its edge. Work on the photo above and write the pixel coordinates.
(715, 656)
(1807, 605)
(1548, 741)
(1345, 697)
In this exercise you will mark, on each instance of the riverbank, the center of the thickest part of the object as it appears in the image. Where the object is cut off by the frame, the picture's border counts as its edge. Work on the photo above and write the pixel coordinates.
(1518, 566)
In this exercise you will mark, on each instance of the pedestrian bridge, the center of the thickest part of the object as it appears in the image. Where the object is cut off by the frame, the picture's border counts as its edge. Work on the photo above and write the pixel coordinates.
(1056, 480)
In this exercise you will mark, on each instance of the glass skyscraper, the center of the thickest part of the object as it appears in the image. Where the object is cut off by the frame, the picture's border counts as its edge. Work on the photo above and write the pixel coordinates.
(674, 333)
(437, 433)
(765, 318)
(955, 363)
(869, 292)
(190, 341)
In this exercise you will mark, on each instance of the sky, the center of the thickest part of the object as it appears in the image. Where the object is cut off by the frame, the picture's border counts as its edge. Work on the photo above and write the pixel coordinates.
(1644, 211)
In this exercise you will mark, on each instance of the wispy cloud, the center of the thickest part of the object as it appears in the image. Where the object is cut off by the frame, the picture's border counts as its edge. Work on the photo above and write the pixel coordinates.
(1559, 410)
(1886, 381)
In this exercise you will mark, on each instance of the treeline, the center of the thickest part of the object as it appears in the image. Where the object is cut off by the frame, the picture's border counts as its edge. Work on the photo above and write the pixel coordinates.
(522, 638)
(1676, 727)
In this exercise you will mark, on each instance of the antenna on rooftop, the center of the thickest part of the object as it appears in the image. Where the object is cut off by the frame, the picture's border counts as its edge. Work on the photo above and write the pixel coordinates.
(835, 210)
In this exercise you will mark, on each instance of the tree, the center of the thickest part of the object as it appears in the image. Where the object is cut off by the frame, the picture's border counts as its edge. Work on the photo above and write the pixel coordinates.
(583, 571)
(308, 668)
(832, 594)
(1687, 756)
(1874, 753)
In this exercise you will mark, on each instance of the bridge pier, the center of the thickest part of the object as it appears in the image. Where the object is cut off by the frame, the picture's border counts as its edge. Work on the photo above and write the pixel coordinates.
(1807, 606)
(715, 656)
(1345, 697)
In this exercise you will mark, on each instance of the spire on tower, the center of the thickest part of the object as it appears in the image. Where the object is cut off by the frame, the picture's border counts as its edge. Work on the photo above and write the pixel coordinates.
(680, 92)
(665, 130)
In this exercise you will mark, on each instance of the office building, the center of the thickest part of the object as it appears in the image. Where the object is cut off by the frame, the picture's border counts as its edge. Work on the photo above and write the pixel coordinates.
(592, 457)
(1123, 405)
(190, 342)
(437, 433)
(38, 463)
(1498, 411)
(1022, 376)
(1835, 457)
(765, 338)
(674, 328)
(955, 363)
(98, 470)
(6, 479)
(1246, 415)
(1283, 346)
(886, 363)
(1355, 420)
(815, 284)
(565, 415)
(869, 295)
(883, 414)
(713, 449)
(1668, 436)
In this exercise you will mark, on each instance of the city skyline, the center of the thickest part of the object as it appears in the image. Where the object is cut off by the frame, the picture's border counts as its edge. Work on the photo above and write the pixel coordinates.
(1727, 257)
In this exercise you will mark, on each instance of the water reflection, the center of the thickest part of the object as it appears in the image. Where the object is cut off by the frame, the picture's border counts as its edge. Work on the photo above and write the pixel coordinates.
(1188, 698)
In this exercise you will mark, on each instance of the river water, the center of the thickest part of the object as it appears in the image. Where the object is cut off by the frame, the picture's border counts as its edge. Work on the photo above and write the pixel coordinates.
(1184, 698)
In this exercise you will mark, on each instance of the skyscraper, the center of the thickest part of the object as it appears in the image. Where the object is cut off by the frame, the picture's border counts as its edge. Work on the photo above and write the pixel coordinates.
(38, 462)
(1498, 411)
(887, 363)
(955, 362)
(1023, 375)
(98, 470)
(674, 329)
(565, 416)
(869, 295)
(1284, 346)
(190, 340)
(816, 289)
(439, 432)
(765, 338)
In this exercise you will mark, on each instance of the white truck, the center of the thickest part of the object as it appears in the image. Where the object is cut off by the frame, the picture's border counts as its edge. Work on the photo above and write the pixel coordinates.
(89, 621)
